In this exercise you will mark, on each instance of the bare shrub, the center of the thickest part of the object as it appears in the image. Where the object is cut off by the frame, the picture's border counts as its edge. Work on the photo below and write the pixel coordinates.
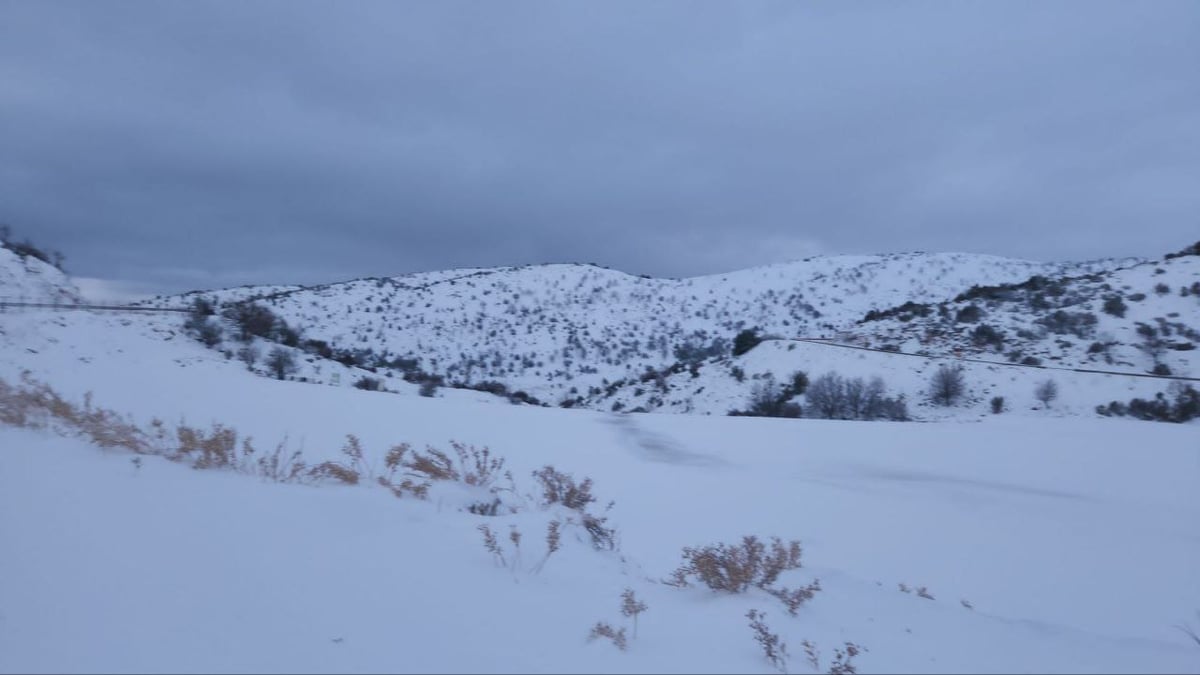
(947, 385)
(773, 647)
(1046, 392)
(734, 568)
(826, 396)
(604, 630)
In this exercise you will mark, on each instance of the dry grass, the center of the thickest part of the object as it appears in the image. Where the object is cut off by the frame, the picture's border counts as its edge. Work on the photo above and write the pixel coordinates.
(735, 568)
(561, 488)
(33, 404)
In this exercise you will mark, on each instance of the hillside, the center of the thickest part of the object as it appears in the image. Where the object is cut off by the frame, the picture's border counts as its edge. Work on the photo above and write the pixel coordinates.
(567, 331)
(27, 278)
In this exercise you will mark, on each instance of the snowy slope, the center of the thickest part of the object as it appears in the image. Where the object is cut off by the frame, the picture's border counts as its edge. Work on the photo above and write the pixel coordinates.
(1070, 538)
(27, 279)
(1161, 297)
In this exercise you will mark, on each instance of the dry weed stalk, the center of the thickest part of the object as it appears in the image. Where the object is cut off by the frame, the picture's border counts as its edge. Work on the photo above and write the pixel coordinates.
(843, 659)
(773, 647)
(632, 607)
(793, 599)
(492, 544)
(812, 654)
(553, 539)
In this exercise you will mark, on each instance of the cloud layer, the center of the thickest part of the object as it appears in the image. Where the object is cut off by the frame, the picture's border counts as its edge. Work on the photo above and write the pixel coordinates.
(188, 144)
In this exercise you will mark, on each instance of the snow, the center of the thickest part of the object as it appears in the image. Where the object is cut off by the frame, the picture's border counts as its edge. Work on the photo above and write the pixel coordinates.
(1072, 537)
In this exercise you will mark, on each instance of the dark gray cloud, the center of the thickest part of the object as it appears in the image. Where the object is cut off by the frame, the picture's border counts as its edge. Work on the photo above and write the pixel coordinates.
(201, 144)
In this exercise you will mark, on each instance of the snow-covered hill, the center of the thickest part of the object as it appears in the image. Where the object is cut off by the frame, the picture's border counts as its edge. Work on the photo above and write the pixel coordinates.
(25, 278)
(567, 331)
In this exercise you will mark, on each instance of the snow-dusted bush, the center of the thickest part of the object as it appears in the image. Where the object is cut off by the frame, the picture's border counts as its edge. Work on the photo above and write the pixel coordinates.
(745, 341)
(1182, 405)
(1046, 392)
(768, 399)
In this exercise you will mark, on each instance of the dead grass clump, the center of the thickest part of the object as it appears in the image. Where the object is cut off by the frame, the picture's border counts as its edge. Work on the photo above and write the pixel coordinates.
(393, 462)
(469, 465)
(350, 471)
(477, 466)
(433, 465)
(561, 488)
(216, 449)
(735, 568)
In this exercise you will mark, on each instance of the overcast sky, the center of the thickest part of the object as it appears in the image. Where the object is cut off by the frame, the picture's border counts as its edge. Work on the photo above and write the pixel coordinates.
(182, 145)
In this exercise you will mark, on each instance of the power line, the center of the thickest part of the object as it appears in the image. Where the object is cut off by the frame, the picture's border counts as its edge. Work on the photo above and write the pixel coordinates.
(829, 343)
